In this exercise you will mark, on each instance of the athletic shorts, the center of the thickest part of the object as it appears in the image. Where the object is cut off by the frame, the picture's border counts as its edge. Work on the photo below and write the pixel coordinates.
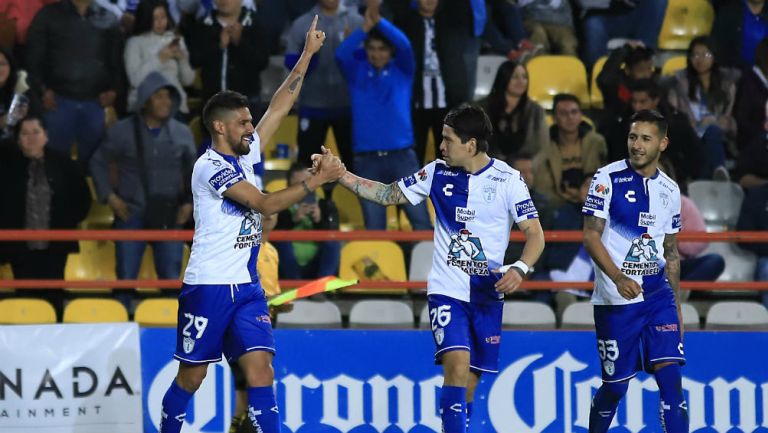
(635, 337)
(474, 327)
(215, 319)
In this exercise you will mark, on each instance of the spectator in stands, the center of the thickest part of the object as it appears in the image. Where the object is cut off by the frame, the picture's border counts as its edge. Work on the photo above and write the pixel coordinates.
(124, 10)
(469, 18)
(624, 66)
(440, 76)
(574, 148)
(324, 99)
(152, 154)
(739, 26)
(15, 18)
(706, 93)
(754, 217)
(506, 33)
(519, 124)
(749, 110)
(230, 47)
(752, 165)
(155, 47)
(622, 19)
(694, 266)
(568, 216)
(12, 83)
(303, 259)
(74, 58)
(550, 24)
(685, 150)
(380, 84)
(42, 189)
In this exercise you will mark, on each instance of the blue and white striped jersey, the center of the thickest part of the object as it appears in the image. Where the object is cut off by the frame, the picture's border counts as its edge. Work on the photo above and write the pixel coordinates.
(639, 211)
(227, 234)
(473, 216)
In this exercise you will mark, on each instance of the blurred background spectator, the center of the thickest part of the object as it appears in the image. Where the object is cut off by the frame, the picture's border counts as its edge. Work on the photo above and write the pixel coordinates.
(519, 123)
(324, 99)
(380, 83)
(230, 47)
(706, 93)
(15, 18)
(624, 66)
(739, 26)
(74, 60)
(623, 19)
(574, 148)
(749, 109)
(155, 46)
(440, 77)
(506, 33)
(753, 216)
(304, 259)
(43, 190)
(142, 170)
(550, 26)
(752, 166)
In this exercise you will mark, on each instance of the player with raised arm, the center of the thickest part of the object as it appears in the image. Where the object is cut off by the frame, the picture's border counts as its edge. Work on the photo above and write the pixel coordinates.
(632, 214)
(476, 200)
(222, 307)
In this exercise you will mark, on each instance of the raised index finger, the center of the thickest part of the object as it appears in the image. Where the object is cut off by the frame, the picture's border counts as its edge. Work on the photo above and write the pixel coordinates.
(314, 24)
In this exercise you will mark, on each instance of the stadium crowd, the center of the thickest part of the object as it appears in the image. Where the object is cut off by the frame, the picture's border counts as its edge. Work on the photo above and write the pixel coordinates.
(118, 85)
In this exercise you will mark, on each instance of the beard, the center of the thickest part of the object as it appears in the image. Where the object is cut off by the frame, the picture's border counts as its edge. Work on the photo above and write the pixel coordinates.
(243, 146)
(640, 162)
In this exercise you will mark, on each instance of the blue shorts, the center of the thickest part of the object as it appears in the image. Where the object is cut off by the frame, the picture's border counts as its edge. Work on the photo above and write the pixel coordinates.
(215, 319)
(474, 327)
(635, 337)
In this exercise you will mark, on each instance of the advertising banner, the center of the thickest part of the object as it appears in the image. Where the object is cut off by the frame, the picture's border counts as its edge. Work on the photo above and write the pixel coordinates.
(331, 381)
(74, 378)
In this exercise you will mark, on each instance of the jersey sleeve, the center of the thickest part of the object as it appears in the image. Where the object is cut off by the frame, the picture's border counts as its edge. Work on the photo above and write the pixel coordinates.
(416, 187)
(522, 207)
(219, 176)
(675, 223)
(599, 196)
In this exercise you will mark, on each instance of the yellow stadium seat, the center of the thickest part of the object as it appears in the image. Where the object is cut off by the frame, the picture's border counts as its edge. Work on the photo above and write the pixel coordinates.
(157, 312)
(386, 255)
(276, 185)
(350, 212)
(674, 64)
(595, 95)
(6, 273)
(100, 215)
(286, 133)
(26, 311)
(683, 21)
(550, 75)
(94, 310)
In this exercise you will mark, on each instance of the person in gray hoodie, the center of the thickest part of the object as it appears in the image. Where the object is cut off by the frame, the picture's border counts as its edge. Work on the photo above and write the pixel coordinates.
(142, 171)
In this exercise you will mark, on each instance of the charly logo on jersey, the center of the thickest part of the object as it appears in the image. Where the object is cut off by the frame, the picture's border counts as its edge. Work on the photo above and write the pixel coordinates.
(641, 259)
(466, 252)
(250, 231)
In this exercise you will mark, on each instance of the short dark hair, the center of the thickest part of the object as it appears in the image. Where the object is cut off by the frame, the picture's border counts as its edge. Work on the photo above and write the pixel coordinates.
(638, 55)
(145, 14)
(378, 35)
(221, 103)
(647, 85)
(295, 168)
(470, 121)
(564, 97)
(29, 118)
(651, 116)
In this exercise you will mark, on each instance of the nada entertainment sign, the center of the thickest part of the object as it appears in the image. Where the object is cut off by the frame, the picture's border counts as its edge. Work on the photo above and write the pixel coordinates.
(384, 381)
(70, 378)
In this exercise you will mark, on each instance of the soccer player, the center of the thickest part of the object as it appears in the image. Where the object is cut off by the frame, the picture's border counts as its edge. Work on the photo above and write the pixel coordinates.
(222, 307)
(476, 200)
(632, 213)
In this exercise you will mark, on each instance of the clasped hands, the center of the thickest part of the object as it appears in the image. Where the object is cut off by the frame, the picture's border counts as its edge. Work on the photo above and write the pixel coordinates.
(327, 166)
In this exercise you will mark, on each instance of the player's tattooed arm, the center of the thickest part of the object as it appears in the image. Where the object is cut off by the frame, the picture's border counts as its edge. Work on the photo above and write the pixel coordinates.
(371, 190)
(672, 257)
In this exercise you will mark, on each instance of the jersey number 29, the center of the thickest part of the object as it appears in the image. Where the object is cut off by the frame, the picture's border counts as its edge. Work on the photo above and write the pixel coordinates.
(200, 323)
